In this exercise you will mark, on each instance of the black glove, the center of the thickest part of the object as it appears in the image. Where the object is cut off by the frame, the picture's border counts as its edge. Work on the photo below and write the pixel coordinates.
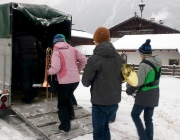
(130, 90)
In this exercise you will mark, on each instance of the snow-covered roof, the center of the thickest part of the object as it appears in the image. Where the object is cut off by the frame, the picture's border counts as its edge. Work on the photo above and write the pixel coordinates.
(81, 34)
(158, 41)
(86, 49)
(114, 39)
(133, 42)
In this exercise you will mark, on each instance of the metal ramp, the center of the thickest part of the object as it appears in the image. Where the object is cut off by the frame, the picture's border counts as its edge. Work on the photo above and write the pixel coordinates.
(47, 121)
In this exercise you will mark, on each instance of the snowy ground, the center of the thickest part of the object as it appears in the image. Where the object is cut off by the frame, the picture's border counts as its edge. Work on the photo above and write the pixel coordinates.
(166, 116)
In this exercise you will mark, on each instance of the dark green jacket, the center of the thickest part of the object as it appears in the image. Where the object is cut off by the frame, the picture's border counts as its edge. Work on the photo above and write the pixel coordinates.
(103, 73)
(148, 96)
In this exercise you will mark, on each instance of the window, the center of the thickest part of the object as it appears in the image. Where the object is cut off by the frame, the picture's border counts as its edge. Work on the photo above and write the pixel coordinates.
(173, 61)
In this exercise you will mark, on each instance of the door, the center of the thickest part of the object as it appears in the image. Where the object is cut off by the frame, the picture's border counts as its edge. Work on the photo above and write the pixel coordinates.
(5, 72)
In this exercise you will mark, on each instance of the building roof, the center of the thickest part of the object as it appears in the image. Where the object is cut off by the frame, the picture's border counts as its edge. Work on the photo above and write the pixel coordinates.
(136, 17)
(158, 41)
(81, 34)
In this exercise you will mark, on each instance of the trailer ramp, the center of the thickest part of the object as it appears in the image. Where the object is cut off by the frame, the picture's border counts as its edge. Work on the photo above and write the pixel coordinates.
(47, 121)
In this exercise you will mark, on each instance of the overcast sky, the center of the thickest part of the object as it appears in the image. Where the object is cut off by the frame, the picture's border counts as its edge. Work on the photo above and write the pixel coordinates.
(47, 2)
(87, 15)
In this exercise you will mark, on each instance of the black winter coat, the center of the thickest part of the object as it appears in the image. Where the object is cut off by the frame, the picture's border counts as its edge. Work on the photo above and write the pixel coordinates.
(103, 73)
(27, 47)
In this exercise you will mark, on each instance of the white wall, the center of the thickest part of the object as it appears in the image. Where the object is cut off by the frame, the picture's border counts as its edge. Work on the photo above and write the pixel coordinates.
(134, 57)
(5, 60)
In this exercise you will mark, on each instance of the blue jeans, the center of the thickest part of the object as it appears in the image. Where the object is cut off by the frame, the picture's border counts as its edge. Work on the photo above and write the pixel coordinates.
(147, 132)
(101, 115)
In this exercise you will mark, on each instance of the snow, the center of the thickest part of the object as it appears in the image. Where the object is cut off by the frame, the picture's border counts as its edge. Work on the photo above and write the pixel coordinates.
(166, 115)
(158, 41)
(7, 132)
(81, 34)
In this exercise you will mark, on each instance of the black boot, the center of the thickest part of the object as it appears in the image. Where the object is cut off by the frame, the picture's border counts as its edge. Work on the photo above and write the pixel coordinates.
(64, 119)
(34, 92)
(112, 120)
(27, 99)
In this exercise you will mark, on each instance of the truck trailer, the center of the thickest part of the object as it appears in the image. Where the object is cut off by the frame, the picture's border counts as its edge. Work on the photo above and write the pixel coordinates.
(41, 116)
(40, 21)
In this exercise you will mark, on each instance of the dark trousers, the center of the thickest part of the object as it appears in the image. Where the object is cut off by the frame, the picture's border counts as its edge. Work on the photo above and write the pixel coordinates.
(101, 115)
(147, 132)
(29, 67)
(73, 99)
(65, 106)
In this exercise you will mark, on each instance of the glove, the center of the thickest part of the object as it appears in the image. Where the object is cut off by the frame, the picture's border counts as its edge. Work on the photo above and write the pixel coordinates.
(130, 90)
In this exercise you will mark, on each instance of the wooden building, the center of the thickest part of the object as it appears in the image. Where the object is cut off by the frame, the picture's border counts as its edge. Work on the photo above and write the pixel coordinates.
(137, 25)
(129, 35)
(81, 38)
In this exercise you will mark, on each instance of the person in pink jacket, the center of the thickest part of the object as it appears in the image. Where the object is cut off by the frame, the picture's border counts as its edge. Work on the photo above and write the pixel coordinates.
(66, 63)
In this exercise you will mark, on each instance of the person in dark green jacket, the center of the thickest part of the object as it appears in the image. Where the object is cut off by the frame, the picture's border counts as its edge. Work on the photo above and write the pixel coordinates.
(147, 96)
(103, 73)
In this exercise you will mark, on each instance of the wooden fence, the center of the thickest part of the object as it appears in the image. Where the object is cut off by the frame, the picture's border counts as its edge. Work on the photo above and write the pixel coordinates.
(173, 70)
(165, 70)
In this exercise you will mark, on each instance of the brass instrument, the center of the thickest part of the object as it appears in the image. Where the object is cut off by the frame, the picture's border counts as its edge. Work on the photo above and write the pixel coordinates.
(129, 75)
(47, 66)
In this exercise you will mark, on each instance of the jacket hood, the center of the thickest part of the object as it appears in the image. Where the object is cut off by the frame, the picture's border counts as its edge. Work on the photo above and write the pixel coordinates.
(61, 45)
(105, 49)
(156, 60)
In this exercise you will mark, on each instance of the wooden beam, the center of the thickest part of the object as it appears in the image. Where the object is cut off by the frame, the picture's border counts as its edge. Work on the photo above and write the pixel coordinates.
(145, 30)
(137, 26)
(126, 50)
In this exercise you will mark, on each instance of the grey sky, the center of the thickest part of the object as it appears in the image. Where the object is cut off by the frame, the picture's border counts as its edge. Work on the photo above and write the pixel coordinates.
(47, 2)
(89, 14)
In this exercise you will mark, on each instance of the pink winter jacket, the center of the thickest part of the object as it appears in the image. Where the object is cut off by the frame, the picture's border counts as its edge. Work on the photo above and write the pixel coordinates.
(66, 62)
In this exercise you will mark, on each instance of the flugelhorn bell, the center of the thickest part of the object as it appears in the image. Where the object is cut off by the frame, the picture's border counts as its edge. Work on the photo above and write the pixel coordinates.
(129, 74)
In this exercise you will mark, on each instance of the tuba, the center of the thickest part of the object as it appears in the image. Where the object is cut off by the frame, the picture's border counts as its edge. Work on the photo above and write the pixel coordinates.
(129, 74)
(47, 66)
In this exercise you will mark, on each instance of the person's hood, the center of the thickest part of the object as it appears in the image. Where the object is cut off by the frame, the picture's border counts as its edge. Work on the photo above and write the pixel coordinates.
(61, 45)
(155, 60)
(105, 49)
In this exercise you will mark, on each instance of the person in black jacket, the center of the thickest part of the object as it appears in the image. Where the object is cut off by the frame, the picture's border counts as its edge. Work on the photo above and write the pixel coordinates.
(27, 52)
(103, 73)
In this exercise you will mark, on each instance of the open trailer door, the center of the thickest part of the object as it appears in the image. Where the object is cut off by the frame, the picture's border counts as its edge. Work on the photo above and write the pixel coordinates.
(38, 20)
(5, 56)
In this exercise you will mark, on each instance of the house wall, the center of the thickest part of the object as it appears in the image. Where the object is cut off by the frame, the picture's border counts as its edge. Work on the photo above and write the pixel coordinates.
(76, 41)
(134, 57)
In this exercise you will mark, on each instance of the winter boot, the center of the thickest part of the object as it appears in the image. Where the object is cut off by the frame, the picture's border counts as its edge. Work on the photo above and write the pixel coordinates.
(27, 99)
